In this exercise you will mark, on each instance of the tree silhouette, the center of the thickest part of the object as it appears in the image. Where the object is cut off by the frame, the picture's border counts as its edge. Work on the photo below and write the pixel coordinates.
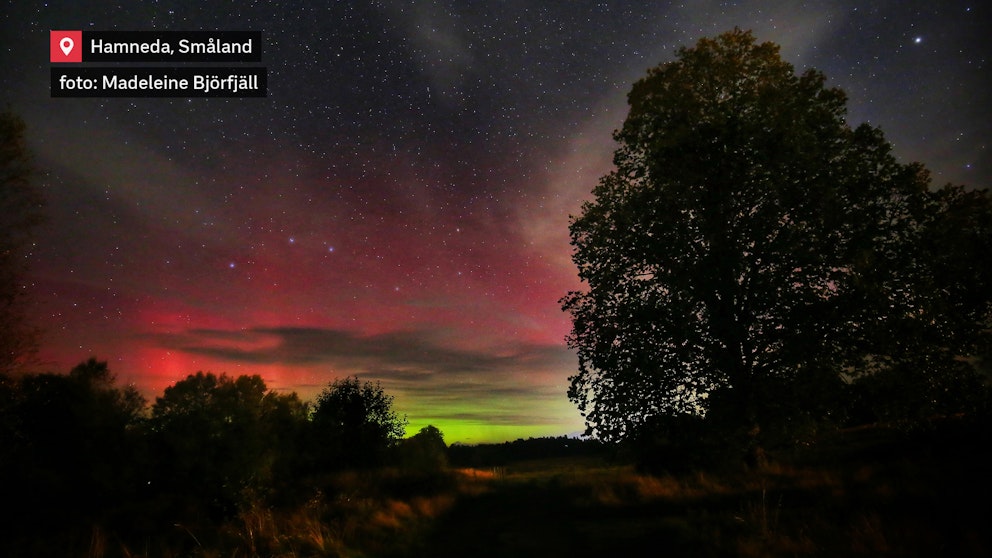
(70, 444)
(20, 214)
(425, 450)
(751, 250)
(222, 439)
(354, 424)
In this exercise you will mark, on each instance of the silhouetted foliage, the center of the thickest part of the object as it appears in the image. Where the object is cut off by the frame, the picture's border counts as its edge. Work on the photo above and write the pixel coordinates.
(223, 439)
(90, 474)
(20, 214)
(68, 442)
(89, 471)
(751, 252)
(425, 450)
(489, 455)
(354, 425)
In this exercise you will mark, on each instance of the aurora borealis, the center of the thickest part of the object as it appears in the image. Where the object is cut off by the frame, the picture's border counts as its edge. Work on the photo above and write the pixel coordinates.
(397, 207)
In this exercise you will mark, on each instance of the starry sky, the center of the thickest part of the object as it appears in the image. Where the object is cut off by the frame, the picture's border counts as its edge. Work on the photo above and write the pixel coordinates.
(397, 207)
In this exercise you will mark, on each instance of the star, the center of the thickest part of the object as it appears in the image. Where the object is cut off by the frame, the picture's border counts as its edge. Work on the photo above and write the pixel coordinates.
(491, 123)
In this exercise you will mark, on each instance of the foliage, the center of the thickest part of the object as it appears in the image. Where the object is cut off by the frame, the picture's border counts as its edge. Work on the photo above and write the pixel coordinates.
(20, 214)
(531, 449)
(68, 440)
(219, 462)
(751, 251)
(425, 450)
(86, 494)
(223, 439)
(354, 425)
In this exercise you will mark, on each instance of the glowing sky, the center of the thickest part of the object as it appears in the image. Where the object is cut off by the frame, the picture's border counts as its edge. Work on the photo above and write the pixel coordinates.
(397, 207)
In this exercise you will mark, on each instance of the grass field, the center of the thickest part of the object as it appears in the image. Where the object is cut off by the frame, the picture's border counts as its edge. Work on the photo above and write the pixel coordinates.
(589, 509)
(870, 492)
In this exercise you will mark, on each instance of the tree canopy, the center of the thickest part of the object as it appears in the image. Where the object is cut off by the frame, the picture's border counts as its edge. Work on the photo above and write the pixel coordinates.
(227, 438)
(67, 440)
(751, 250)
(354, 424)
(425, 450)
(20, 214)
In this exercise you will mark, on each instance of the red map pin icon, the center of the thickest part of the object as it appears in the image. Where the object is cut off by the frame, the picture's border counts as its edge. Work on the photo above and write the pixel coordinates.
(66, 46)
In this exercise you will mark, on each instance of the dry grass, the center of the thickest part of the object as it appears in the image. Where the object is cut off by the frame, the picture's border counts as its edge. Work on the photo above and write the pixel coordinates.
(860, 507)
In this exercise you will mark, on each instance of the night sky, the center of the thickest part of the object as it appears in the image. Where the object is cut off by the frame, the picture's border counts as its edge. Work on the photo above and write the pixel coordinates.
(397, 207)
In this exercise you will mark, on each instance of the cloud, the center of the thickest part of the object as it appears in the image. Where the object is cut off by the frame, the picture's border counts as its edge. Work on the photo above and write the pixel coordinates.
(406, 356)
(440, 44)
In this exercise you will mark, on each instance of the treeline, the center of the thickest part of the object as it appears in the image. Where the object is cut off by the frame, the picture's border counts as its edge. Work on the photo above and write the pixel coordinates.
(495, 455)
(78, 450)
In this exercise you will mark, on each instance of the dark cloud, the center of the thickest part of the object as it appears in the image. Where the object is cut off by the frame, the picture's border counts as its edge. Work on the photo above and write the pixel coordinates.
(408, 356)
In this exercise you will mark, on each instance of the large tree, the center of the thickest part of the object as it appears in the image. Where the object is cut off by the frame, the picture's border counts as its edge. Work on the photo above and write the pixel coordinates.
(20, 213)
(750, 249)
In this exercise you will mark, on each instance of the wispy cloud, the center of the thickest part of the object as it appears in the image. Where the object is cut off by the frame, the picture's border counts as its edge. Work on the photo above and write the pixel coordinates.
(400, 354)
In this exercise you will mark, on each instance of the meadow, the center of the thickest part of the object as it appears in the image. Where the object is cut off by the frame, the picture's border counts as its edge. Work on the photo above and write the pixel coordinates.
(868, 492)
(865, 492)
